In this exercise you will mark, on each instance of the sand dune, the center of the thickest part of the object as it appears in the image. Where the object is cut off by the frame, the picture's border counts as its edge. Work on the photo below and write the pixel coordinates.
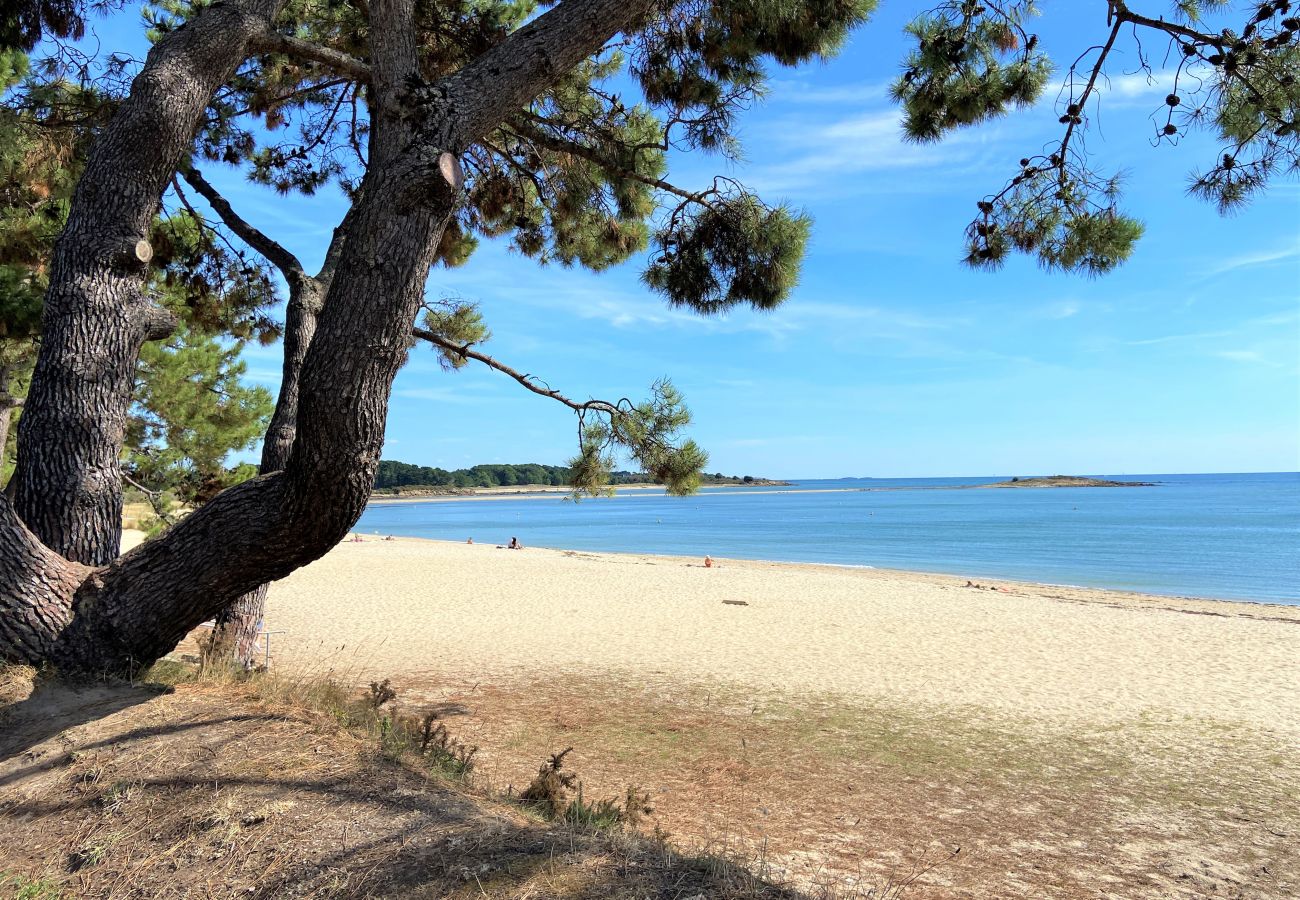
(414, 607)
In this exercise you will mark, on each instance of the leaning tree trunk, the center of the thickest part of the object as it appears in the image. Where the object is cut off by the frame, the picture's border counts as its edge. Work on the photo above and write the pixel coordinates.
(236, 627)
(127, 613)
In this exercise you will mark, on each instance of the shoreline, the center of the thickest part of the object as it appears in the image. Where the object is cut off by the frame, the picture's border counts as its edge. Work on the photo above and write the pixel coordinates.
(542, 492)
(1102, 594)
(536, 492)
(888, 570)
(428, 610)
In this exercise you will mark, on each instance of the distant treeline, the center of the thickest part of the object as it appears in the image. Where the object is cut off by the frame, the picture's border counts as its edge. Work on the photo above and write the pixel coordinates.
(393, 474)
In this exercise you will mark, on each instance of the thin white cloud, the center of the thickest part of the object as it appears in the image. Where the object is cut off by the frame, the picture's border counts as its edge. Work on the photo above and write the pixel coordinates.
(1257, 258)
(794, 92)
(1170, 338)
(849, 311)
(263, 376)
(439, 395)
(1242, 356)
(1061, 309)
(825, 156)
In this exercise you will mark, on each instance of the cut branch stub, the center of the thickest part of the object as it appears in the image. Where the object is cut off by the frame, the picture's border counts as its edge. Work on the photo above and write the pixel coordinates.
(135, 255)
(157, 323)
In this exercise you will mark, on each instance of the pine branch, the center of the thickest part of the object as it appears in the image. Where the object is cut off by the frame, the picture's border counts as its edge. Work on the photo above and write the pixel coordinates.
(335, 60)
(538, 136)
(531, 382)
(507, 77)
(274, 251)
(1122, 13)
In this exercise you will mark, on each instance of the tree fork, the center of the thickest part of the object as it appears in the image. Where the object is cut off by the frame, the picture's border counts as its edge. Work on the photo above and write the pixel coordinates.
(135, 609)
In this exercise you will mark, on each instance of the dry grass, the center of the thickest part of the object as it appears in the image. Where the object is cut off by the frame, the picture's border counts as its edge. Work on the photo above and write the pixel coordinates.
(828, 792)
(297, 785)
(221, 786)
(16, 683)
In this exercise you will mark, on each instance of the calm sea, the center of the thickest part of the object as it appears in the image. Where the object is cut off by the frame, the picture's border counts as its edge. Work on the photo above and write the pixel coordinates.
(1225, 536)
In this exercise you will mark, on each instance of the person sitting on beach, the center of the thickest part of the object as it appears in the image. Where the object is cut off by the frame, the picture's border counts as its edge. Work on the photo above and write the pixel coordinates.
(708, 562)
(515, 545)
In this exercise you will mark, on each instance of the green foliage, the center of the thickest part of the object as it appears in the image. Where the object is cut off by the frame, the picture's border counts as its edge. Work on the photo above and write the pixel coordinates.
(392, 474)
(599, 815)
(443, 754)
(1070, 223)
(972, 61)
(650, 433)
(1196, 10)
(24, 22)
(704, 61)
(191, 411)
(23, 887)
(460, 323)
(735, 250)
(211, 287)
(609, 814)
(1256, 111)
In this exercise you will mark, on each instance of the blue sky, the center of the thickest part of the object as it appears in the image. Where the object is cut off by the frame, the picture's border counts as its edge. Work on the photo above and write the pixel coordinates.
(891, 358)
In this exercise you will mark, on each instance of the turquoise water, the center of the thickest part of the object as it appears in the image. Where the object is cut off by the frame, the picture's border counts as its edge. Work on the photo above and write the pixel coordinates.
(1225, 536)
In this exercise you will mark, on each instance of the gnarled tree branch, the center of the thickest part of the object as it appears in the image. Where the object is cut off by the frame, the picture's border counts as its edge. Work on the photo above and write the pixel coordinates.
(531, 382)
(335, 60)
(495, 85)
(254, 237)
(527, 127)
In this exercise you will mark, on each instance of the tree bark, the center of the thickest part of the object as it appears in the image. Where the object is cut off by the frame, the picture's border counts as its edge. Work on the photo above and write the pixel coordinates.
(36, 590)
(136, 608)
(68, 486)
(235, 628)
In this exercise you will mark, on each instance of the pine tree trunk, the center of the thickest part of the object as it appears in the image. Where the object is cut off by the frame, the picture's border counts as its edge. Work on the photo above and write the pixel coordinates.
(68, 486)
(235, 629)
(119, 616)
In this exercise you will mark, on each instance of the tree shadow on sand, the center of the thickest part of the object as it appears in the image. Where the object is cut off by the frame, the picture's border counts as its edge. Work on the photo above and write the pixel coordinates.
(196, 795)
(54, 707)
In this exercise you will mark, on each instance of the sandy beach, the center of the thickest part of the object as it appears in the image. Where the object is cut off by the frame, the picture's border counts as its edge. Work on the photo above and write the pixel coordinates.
(844, 727)
(429, 608)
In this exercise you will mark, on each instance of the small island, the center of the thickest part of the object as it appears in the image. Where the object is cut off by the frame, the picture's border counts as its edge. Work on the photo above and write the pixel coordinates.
(1058, 481)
